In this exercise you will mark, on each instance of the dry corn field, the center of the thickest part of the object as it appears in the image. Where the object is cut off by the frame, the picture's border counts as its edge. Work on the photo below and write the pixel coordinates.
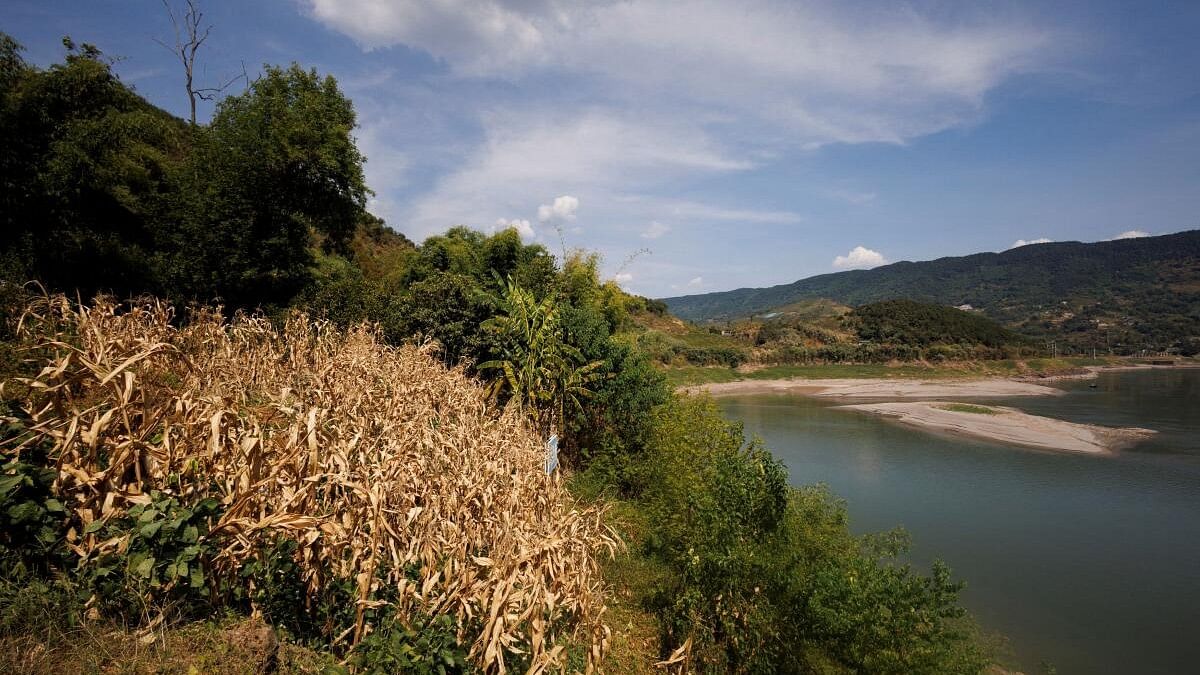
(374, 459)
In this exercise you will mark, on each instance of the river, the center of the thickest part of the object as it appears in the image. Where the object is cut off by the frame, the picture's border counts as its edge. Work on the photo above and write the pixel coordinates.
(1089, 563)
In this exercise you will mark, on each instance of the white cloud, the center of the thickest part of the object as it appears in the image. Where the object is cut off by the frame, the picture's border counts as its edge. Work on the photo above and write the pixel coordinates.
(623, 277)
(1023, 242)
(819, 72)
(696, 282)
(859, 258)
(700, 211)
(851, 196)
(562, 210)
(656, 230)
(1131, 234)
(522, 226)
(591, 157)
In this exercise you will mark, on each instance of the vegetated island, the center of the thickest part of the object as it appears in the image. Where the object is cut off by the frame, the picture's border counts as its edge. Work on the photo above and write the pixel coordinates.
(1006, 425)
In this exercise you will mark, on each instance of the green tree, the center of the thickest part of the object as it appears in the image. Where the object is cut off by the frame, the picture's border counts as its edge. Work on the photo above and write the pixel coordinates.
(448, 308)
(536, 367)
(84, 173)
(277, 167)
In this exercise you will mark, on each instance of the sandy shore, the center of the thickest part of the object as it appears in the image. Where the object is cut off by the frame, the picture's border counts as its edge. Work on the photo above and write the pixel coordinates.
(882, 388)
(1007, 425)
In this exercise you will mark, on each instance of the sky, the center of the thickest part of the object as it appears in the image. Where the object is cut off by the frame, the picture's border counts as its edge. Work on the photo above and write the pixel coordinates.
(704, 146)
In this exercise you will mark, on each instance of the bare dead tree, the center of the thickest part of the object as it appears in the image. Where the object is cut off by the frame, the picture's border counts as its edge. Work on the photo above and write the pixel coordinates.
(629, 260)
(190, 34)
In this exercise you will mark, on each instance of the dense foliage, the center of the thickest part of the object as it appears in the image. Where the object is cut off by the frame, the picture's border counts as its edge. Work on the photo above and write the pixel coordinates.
(102, 191)
(924, 325)
(1123, 296)
(892, 330)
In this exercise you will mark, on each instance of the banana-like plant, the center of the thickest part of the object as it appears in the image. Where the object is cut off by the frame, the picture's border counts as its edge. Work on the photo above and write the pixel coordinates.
(537, 368)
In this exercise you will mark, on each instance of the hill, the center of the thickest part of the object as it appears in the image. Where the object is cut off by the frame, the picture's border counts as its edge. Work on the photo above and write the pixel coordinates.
(923, 324)
(810, 332)
(1123, 296)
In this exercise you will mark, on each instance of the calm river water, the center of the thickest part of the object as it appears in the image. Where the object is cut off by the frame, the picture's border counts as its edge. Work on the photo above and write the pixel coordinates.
(1089, 563)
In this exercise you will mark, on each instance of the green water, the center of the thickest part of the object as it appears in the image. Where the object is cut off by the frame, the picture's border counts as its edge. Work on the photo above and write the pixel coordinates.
(1089, 563)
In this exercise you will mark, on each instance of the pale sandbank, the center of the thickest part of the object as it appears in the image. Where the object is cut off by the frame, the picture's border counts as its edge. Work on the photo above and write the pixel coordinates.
(1006, 425)
(881, 388)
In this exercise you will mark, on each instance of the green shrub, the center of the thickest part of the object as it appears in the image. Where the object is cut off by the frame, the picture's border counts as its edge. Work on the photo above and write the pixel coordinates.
(163, 560)
(763, 577)
(32, 521)
(430, 646)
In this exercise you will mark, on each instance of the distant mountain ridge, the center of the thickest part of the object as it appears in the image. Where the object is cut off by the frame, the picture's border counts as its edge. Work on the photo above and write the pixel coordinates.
(1120, 295)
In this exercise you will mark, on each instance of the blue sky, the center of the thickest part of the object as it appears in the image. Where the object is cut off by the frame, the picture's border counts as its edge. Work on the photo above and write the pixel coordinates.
(731, 143)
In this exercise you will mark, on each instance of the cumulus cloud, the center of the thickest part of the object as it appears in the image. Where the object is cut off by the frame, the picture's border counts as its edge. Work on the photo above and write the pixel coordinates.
(696, 282)
(562, 210)
(522, 226)
(1131, 234)
(623, 277)
(1026, 242)
(859, 258)
(656, 230)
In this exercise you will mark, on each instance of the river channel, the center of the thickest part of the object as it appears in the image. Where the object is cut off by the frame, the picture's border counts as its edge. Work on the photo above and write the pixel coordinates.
(1090, 563)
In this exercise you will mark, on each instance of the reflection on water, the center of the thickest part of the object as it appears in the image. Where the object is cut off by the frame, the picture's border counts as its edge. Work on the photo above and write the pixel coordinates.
(1091, 563)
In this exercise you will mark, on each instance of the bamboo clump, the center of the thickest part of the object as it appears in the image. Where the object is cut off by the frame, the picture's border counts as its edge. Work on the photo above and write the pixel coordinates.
(374, 459)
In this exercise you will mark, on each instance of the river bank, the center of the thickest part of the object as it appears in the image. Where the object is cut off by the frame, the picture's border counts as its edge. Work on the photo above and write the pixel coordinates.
(1037, 370)
(905, 381)
(1006, 425)
(880, 388)
(928, 403)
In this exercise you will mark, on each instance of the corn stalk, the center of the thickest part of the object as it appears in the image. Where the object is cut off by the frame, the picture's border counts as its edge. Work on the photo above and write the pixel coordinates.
(360, 452)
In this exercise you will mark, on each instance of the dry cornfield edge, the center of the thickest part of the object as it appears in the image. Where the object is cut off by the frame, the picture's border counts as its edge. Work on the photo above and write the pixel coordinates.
(375, 459)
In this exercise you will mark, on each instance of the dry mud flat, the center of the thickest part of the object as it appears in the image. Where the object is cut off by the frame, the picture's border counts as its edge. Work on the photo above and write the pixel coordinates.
(1007, 425)
(882, 388)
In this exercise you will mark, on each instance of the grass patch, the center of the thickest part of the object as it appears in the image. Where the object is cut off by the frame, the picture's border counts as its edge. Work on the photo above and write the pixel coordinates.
(636, 643)
(969, 408)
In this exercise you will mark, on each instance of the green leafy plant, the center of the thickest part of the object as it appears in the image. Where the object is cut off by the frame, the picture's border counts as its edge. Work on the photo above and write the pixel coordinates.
(31, 520)
(165, 551)
(537, 367)
(427, 647)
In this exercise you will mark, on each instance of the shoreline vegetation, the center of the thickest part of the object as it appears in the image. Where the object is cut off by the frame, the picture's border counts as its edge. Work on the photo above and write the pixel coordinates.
(1036, 370)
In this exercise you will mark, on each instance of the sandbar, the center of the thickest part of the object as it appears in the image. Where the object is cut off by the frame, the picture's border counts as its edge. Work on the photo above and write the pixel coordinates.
(1006, 425)
(880, 388)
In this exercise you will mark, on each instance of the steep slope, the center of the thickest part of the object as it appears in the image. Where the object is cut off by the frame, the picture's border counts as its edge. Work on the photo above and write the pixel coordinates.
(1126, 295)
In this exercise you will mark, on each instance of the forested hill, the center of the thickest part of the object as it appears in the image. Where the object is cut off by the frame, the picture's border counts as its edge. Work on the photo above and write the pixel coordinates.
(1123, 295)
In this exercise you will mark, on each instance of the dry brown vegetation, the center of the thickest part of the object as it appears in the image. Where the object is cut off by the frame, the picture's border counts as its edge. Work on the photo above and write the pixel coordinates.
(377, 460)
